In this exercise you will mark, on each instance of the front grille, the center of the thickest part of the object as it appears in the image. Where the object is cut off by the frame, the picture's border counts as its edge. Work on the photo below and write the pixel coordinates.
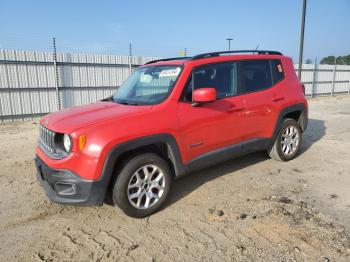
(51, 143)
(46, 139)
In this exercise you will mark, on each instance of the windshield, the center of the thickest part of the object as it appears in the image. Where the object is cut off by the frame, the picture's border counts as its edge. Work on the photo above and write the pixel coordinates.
(148, 85)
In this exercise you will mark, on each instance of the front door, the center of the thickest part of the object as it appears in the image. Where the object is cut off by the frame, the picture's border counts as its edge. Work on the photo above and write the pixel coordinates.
(207, 127)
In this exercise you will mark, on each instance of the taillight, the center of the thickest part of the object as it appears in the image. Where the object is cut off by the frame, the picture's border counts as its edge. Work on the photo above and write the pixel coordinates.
(303, 87)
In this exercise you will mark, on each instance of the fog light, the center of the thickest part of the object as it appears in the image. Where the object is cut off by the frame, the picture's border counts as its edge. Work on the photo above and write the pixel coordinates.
(65, 189)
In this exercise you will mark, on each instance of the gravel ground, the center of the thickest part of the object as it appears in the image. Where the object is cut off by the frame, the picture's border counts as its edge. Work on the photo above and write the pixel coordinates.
(248, 209)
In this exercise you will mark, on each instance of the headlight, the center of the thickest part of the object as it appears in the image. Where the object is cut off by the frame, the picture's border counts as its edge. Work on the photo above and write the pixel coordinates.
(67, 143)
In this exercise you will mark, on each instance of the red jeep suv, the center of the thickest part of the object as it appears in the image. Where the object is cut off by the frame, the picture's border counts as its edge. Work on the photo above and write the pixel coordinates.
(169, 118)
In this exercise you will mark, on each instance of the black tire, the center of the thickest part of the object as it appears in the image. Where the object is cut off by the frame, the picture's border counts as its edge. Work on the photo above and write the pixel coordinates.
(120, 189)
(276, 151)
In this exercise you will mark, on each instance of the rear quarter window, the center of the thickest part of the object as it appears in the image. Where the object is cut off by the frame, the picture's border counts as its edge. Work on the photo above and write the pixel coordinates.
(277, 71)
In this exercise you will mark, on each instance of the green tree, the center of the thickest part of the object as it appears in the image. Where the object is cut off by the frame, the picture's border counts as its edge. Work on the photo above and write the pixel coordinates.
(308, 61)
(346, 59)
(341, 60)
(328, 60)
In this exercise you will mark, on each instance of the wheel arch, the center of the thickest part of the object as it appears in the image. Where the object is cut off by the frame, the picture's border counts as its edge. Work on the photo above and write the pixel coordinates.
(163, 144)
(298, 112)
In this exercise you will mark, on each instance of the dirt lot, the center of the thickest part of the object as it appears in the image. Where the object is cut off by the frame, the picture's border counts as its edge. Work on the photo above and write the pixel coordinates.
(247, 209)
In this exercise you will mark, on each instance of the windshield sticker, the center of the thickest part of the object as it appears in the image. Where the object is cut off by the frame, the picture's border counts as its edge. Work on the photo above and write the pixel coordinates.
(170, 72)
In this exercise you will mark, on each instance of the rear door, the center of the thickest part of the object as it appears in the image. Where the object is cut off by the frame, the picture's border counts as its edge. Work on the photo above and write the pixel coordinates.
(260, 86)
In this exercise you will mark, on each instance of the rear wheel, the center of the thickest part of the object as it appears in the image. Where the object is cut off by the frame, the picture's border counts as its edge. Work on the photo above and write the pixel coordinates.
(288, 140)
(142, 185)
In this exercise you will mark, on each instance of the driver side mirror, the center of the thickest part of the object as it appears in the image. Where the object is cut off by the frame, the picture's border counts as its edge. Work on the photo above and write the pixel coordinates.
(204, 95)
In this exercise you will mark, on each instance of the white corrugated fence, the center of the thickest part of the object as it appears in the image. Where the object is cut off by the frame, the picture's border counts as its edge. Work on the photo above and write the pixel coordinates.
(28, 80)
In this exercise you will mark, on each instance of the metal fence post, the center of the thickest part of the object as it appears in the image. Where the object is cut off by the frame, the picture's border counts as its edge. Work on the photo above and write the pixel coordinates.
(333, 79)
(58, 95)
(314, 79)
(130, 58)
(9, 93)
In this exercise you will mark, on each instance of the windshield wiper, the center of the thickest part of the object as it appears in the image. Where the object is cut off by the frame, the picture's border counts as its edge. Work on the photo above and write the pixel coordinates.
(108, 99)
(124, 102)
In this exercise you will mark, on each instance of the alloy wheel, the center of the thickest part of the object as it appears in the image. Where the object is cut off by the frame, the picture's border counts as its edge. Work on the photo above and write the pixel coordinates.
(146, 186)
(290, 140)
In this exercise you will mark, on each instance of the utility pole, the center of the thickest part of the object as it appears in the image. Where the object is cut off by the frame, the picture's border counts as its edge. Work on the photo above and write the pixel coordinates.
(229, 43)
(185, 54)
(302, 39)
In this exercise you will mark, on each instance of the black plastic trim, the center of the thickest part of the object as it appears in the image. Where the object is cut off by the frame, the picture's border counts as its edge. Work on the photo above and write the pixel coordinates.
(180, 169)
(303, 119)
(214, 54)
(173, 152)
(226, 153)
(87, 192)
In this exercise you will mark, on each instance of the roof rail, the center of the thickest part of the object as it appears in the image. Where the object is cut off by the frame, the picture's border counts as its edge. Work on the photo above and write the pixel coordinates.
(168, 59)
(212, 54)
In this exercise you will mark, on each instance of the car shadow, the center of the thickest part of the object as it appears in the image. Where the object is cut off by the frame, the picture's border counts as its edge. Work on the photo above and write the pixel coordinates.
(315, 131)
(189, 183)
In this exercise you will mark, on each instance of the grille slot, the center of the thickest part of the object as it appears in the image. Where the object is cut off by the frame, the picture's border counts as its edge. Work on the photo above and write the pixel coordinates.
(48, 145)
(46, 139)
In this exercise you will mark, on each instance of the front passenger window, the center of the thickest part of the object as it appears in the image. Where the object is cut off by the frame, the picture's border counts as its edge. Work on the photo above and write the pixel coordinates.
(222, 77)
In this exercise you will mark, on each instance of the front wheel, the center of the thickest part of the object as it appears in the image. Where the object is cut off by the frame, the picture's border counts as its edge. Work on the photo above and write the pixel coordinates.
(288, 140)
(142, 185)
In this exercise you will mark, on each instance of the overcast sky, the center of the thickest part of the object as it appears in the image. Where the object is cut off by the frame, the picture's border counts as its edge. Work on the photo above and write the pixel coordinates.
(164, 28)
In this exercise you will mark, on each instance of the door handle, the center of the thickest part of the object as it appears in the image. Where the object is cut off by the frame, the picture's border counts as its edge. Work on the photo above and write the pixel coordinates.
(276, 99)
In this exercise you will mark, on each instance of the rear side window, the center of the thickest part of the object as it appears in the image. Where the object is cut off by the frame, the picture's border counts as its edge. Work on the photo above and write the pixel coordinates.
(255, 75)
(277, 70)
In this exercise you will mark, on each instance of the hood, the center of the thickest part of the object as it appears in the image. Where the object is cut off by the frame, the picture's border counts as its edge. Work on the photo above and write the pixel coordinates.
(71, 119)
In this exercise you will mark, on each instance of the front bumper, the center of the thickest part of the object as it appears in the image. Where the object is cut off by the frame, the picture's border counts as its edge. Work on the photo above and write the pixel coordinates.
(62, 186)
